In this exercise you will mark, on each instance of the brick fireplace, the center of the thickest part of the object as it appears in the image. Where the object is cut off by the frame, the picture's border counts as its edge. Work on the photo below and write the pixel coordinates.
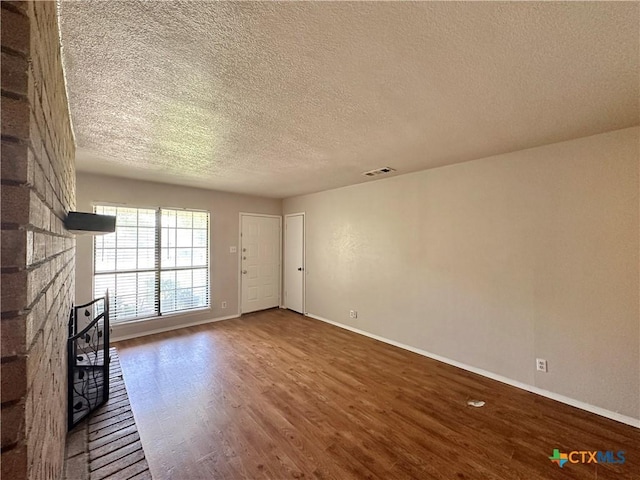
(38, 188)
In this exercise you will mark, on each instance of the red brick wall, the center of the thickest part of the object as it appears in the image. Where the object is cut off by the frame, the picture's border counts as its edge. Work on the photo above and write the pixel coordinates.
(38, 188)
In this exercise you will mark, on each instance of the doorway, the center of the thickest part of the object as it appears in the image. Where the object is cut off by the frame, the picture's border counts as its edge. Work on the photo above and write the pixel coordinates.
(260, 252)
(294, 265)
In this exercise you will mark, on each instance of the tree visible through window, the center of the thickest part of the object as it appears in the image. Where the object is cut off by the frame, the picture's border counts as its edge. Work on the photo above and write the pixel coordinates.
(156, 262)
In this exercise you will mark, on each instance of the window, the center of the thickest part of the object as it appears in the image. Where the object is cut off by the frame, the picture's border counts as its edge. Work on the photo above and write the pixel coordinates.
(156, 262)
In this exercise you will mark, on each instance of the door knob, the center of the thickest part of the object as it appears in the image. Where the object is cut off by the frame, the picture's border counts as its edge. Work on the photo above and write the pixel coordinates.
(244, 272)
(300, 269)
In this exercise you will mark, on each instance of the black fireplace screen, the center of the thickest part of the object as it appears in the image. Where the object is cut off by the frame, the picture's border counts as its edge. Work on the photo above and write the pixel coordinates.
(88, 353)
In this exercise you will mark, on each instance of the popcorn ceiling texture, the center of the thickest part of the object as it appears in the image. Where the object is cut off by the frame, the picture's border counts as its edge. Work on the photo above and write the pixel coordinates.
(38, 254)
(279, 99)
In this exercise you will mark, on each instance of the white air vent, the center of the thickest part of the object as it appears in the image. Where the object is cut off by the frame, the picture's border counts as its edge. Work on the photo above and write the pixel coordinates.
(378, 171)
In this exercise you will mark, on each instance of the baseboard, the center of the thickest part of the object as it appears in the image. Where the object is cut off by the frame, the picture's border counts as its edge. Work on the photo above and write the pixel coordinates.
(144, 332)
(634, 422)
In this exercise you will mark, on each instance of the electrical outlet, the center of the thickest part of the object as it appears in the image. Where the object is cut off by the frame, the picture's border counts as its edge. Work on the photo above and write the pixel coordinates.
(541, 364)
(353, 314)
(233, 250)
(224, 304)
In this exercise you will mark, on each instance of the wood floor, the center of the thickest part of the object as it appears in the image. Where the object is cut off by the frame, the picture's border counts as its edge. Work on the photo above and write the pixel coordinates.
(276, 395)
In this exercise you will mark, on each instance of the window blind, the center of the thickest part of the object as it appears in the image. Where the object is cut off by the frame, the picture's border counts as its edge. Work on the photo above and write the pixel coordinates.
(184, 260)
(156, 262)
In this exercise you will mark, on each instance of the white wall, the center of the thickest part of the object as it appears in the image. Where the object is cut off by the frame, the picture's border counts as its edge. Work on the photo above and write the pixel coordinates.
(495, 262)
(224, 208)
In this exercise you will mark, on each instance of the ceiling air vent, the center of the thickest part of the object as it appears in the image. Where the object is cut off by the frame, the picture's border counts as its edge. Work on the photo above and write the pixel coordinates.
(379, 171)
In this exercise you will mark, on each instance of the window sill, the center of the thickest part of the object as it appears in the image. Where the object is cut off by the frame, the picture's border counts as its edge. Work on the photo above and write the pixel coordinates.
(184, 313)
(152, 325)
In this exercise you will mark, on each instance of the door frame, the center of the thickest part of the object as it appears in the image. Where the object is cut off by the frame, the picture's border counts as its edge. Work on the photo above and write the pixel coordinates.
(304, 260)
(239, 270)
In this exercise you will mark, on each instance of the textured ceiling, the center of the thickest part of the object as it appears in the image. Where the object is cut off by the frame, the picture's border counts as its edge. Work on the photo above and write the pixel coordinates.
(279, 99)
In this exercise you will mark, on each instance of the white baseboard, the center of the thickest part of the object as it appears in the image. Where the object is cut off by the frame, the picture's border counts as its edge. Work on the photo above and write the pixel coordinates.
(634, 422)
(144, 332)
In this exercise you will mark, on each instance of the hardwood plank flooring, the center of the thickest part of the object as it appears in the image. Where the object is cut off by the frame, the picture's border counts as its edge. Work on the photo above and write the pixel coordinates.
(275, 395)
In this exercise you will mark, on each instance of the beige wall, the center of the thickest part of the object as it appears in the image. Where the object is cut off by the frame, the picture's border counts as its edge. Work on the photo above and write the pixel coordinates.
(224, 208)
(495, 262)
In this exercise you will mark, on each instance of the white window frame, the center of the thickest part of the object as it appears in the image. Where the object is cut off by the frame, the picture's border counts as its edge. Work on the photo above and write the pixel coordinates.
(157, 269)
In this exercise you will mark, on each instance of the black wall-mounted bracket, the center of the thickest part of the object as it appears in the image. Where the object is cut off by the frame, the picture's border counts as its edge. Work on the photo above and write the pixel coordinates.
(89, 223)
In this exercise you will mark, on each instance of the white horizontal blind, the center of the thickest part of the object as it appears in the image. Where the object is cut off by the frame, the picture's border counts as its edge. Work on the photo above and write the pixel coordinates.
(184, 260)
(125, 262)
(157, 261)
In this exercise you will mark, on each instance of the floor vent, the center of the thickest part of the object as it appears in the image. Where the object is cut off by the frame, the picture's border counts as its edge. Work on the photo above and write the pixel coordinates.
(378, 171)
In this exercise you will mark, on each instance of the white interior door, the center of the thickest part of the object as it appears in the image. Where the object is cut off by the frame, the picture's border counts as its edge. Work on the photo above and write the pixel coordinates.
(294, 262)
(259, 262)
